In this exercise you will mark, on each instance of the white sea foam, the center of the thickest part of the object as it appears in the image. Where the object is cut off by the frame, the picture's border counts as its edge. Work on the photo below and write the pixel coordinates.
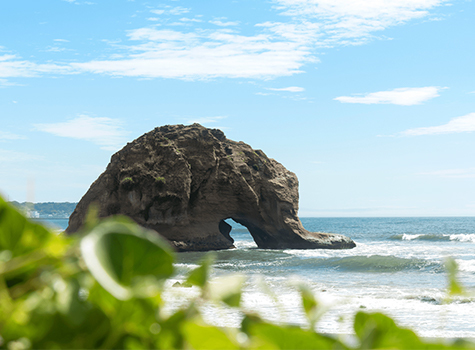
(408, 237)
(245, 244)
(466, 265)
(468, 237)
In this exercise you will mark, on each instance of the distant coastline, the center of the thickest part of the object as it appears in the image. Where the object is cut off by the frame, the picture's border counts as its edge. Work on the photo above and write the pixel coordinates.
(48, 210)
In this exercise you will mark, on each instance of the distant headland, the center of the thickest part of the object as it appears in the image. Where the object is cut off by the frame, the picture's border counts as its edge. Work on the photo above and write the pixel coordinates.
(48, 210)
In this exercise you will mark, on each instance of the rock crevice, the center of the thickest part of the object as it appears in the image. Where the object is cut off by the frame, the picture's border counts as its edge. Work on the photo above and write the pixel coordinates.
(184, 181)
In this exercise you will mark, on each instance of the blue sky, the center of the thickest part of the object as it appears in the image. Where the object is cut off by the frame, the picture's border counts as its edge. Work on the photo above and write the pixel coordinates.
(370, 102)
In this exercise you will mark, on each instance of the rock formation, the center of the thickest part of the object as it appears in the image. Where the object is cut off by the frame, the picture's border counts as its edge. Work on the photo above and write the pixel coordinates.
(184, 181)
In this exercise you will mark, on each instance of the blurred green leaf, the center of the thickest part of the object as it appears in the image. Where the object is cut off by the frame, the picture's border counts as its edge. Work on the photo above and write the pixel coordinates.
(207, 337)
(17, 234)
(121, 254)
(311, 307)
(454, 288)
(227, 289)
(263, 335)
(199, 276)
(378, 331)
(69, 302)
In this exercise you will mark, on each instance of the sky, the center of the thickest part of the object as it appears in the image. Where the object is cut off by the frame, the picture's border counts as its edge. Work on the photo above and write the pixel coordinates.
(370, 102)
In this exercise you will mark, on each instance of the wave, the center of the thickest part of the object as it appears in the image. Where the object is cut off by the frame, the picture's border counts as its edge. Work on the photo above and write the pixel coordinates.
(461, 237)
(372, 263)
(379, 263)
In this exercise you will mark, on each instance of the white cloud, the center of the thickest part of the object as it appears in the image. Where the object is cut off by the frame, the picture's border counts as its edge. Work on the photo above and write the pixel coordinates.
(169, 10)
(5, 135)
(288, 89)
(354, 21)
(204, 54)
(195, 20)
(105, 132)
(452, 173)
(206, 120)
(55, 49)
(15, 157)
(465, 123)
(178, 10)
(5, 83)
(224, 24)
(79, 2)
(400, 96)
(12, 67)
(275, 49)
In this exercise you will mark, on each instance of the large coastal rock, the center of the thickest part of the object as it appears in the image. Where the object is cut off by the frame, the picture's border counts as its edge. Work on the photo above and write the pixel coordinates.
(185, 181)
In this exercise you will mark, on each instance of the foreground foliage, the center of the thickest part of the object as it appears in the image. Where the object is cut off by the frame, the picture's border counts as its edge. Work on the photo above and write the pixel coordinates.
(102, 289)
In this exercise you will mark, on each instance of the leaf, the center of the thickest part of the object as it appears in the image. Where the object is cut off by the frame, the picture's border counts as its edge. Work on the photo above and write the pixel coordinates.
(227, 289)
(264, 335)
(207, 337)
(199, 276)
(378, 331)
(121, 255)
(454, 288)
(17, 234)
(69, 304)
(310, 304)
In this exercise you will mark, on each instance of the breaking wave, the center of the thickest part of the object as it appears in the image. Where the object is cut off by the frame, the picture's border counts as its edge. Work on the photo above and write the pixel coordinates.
(379, 263)
(461, 237)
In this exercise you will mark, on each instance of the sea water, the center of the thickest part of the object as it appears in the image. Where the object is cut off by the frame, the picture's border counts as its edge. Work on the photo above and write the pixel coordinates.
(396, 268)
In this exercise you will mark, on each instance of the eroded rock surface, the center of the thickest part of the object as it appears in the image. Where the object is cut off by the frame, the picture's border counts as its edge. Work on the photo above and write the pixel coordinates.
(184, 181)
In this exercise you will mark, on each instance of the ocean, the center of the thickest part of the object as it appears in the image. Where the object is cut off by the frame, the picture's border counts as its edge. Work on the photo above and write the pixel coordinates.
(396, 268)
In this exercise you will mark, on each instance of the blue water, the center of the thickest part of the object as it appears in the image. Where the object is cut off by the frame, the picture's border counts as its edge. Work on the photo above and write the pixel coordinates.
(55, 224)
(397, 268)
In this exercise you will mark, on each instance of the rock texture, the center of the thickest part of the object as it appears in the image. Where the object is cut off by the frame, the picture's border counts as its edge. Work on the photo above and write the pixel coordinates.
(184, 181)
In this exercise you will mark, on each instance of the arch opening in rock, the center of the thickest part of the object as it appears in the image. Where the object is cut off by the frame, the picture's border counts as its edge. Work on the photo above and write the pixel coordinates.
(238, 233)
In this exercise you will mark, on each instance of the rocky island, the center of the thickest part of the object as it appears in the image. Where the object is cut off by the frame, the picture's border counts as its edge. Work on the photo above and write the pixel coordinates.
(185, 181)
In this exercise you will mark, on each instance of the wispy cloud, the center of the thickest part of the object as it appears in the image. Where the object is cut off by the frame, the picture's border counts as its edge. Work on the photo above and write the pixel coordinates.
(203, 54)
(8, 136)
(12, 66)
(171, 10)
(400, 96)
(354, 22)
(75, 2)
(288, 89)
(16, 157)
(465, 123)
(105, 132)
(186, 20)
(206, 120)
(452, 173)
(222, 23)
(274, 49)
(6, 83)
